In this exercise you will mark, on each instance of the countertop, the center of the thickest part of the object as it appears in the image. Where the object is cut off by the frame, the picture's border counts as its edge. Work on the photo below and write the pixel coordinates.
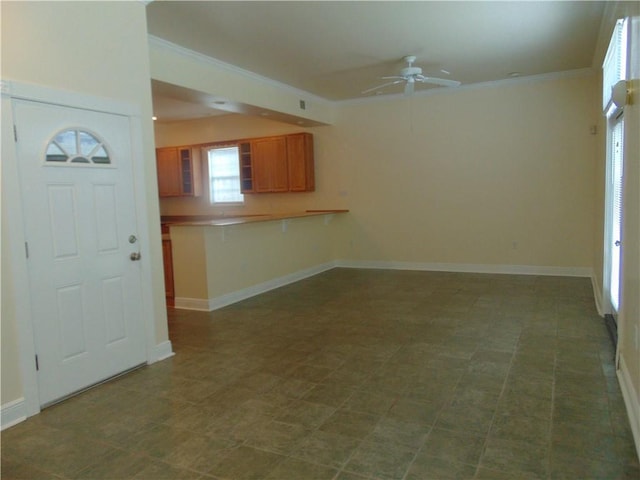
(222, 221)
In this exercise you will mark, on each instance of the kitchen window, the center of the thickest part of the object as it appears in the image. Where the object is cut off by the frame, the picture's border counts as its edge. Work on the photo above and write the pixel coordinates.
(224, 175)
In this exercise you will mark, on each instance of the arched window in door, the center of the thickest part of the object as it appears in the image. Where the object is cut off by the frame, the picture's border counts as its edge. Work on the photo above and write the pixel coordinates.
(76, 146)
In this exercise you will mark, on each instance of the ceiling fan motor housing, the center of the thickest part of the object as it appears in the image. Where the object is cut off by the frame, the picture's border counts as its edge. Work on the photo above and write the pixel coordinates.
(410, 71)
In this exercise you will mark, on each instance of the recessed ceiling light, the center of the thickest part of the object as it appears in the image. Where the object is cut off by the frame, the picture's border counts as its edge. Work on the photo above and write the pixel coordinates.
(514, 74)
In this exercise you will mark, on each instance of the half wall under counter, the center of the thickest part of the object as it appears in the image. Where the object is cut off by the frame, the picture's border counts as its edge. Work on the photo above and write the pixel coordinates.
(223, 260)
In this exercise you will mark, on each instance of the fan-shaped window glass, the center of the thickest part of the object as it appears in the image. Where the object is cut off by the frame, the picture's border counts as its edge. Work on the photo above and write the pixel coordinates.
(77, 147)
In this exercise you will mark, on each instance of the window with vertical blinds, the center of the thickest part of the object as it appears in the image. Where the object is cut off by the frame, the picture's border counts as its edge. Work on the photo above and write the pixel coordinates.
(224, 175)
(614, 70)
(615, 188)
(615, 63)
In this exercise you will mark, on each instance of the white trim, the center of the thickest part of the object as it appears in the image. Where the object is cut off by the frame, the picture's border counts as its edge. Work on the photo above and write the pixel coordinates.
(505, 82)
(14, 235)
(470, 268)
(218, 64)
(11, 90)
(186, 303)
(239, 295)
(163, 351)
(630, 397)
(40, 93)
(204, 305)
(142, 222)
(13, 413)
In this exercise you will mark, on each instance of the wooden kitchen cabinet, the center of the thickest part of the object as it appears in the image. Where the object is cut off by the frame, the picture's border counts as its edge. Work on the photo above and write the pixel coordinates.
(300, 162)
(179, 171)
(277, 164)
(246, 167)
(167, 261)
(270, 171)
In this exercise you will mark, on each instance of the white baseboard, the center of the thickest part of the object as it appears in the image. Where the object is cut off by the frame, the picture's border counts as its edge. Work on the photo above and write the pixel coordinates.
(631, 402)
(239, 295)
(470, 268)
(163, 351)
(207, 305)
(185, 303)
(12, 413)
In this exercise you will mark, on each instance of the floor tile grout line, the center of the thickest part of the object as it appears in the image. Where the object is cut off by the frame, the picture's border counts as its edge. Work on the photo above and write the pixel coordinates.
(495, 412)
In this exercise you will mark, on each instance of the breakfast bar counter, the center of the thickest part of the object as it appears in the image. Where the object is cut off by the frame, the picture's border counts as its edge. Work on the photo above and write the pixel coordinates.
(219, 260)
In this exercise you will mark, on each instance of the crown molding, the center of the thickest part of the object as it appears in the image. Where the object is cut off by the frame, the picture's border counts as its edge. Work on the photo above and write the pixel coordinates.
(544, 77)
(220, 65)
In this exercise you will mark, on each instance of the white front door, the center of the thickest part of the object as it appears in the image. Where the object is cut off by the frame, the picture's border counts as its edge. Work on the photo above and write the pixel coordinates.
(76, 183)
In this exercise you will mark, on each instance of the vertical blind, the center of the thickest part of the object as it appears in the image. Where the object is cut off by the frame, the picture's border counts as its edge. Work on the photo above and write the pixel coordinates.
(615, 188)
(615, 62)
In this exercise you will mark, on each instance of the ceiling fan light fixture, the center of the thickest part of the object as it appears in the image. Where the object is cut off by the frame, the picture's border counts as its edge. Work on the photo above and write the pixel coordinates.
(411, 75)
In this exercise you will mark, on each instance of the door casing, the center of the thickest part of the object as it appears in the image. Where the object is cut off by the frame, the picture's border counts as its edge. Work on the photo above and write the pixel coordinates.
(14, 226)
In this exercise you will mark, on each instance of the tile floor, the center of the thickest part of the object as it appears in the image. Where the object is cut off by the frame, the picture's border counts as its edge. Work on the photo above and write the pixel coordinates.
(357, 374)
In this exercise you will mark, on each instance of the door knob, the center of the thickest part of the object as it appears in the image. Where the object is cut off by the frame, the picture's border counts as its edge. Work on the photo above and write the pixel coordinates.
(617, 243)
(135, 256)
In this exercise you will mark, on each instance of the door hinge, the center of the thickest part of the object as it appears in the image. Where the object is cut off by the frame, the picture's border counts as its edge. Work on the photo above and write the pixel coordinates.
(15, 133)
(26, 249)
(37, 364)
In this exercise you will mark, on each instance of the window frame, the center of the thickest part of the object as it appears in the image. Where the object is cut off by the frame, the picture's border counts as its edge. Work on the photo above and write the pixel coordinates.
(219, 146)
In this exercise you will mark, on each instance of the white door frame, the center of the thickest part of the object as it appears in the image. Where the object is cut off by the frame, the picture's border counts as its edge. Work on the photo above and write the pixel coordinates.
(15, 234)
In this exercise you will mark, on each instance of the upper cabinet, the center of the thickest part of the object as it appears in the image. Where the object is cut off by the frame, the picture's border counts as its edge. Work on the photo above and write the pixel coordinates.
(270, 172)
(300, 162)
(267, 165)
(178, 171)
(246, 167)
(277, 164)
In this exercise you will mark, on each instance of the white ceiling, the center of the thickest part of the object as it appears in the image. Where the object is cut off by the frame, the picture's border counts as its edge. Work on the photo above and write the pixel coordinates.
(335, 50)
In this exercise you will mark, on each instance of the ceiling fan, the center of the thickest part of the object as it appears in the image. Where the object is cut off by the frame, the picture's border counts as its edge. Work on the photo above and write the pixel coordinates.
(410, 75)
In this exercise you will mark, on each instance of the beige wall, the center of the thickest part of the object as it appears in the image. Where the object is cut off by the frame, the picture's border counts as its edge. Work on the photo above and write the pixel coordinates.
(63, 45)
(499, 175)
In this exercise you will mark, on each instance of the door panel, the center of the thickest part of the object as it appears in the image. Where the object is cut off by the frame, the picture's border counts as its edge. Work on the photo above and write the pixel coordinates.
(76, 180)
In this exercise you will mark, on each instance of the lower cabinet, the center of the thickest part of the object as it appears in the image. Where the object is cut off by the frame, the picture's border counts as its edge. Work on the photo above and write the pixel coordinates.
(167, 261)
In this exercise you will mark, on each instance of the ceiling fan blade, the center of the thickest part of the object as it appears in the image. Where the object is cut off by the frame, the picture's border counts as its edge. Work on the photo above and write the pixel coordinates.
(443, 82)
(409, 88)
(382, 86)
(394, 76)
